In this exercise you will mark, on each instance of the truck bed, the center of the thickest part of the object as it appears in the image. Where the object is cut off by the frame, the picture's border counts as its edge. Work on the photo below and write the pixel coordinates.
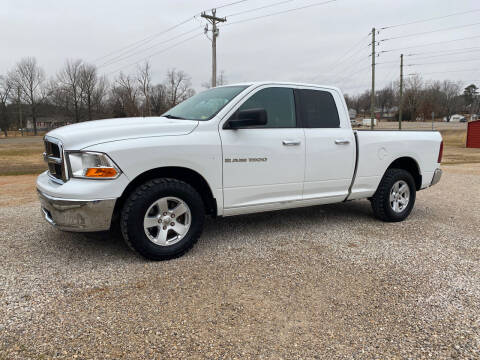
(377, 149)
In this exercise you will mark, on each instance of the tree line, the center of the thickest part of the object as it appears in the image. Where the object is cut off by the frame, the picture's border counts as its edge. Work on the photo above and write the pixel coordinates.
(420, 99)
(79, 93)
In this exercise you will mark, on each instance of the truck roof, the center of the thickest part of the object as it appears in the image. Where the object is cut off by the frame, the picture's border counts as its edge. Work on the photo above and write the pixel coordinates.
(259, 83)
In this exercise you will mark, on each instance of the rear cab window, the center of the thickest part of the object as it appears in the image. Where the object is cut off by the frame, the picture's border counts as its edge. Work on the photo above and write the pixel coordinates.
(316, 109)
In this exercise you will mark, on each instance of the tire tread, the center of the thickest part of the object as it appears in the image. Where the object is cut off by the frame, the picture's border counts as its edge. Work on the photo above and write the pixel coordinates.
(379, 200)
(142, 192)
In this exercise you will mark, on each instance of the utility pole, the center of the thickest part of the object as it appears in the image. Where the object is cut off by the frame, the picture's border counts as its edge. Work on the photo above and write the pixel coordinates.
(213, 19)
(400, 105)
(372, 101)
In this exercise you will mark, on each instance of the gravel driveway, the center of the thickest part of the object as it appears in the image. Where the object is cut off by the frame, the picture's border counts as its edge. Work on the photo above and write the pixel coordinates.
(321, 282)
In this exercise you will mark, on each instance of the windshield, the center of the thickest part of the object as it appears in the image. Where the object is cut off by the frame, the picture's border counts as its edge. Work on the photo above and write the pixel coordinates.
(206, 104)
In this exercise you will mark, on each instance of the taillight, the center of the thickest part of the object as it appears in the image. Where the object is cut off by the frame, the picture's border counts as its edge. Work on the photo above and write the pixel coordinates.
(440, 153)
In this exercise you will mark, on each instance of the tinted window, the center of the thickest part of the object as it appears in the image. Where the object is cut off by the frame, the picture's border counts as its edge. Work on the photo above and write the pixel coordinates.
(317, 109)
(279, 104)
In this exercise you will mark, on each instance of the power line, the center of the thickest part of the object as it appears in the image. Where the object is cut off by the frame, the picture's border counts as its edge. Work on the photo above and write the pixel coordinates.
(442, 72)
(230, 4)
(444, 62)
(356, 62)
(343, 66)
(430, 19)
(143, 41)
(443, 55)
(121, 58)
(446, 52)
(156, 53)
(428, 44)
(260, 8)
(356, 71)
(139, 43)
(432, 31)
(349, 52)
(280, 12)
(428, 57)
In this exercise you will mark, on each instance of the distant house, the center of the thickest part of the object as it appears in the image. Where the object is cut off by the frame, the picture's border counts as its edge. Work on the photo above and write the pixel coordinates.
(390, 112)
(48, 123)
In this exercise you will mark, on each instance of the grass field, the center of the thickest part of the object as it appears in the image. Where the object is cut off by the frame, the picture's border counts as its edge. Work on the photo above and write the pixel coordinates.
(23, 155)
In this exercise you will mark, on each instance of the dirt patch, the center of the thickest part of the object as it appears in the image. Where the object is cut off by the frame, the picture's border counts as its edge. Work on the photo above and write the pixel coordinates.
(17, 190)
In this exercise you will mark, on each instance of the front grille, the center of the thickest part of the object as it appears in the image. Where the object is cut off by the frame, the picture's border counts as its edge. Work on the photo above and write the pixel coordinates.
(53, 156)
(52, 149)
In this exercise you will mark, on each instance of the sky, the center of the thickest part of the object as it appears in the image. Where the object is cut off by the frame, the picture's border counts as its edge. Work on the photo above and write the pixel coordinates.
(324, 43)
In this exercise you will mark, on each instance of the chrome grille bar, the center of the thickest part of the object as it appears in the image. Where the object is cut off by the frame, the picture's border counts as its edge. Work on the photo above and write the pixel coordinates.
(53, 156)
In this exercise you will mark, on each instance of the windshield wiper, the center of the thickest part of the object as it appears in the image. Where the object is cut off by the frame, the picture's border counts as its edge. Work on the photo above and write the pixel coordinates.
(168, 116)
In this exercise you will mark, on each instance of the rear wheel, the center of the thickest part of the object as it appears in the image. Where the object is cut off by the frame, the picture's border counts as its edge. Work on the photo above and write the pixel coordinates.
(162, 219)
(394, 199)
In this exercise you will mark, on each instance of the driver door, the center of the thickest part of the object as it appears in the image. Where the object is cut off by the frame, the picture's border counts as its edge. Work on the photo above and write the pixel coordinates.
(263, 166)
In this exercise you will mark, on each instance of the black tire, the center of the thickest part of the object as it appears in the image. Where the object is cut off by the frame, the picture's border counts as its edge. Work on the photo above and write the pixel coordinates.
(381, 200)
(139, 202)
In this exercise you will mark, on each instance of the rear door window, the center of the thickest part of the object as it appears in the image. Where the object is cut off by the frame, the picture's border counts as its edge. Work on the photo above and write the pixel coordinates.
(317, 109)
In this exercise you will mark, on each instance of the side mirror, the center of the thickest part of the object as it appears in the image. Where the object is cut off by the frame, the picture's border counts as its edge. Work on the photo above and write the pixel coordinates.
(247, 118)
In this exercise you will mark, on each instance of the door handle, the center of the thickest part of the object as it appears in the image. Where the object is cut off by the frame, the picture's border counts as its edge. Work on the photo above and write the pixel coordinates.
(342, 142)
(291, 142)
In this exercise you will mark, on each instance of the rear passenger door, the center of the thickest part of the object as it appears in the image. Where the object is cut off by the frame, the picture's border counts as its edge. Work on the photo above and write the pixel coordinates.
(330, 145)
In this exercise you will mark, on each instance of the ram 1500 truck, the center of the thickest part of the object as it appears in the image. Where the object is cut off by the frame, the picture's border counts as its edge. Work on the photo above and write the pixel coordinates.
(230, 150)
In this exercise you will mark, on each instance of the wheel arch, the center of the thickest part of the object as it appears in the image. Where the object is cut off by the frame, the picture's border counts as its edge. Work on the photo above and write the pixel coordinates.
(184, 174)
(411, 165)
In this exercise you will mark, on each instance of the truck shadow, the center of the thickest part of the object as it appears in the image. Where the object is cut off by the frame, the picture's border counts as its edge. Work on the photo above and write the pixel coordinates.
(227, 231)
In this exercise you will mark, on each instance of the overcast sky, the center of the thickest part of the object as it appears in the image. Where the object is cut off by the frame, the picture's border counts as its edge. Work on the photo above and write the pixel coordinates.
(325, 44)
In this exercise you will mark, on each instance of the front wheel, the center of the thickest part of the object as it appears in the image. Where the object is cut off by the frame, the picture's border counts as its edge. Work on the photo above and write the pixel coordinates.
(162, 219)
(394, 199)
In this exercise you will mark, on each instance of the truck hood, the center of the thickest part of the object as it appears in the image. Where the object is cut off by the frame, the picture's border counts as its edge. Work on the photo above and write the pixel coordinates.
(81, 135)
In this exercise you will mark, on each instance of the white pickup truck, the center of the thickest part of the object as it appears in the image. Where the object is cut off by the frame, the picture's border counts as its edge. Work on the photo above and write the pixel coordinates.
(230, 150)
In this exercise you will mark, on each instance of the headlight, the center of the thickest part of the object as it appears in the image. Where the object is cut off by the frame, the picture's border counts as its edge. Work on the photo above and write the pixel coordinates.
(91, 165)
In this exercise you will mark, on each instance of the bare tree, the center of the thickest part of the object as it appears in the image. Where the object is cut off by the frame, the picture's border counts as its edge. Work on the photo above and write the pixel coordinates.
(451, 97)
(99, 95)
(364, 101)
(144, 79)
(88, 81)
(158, 99)
(125, 94)
(69, 77)
(431, 99)
(385, 98)
(28, 77)
(5, 89)
(178, 87)
(412, 95)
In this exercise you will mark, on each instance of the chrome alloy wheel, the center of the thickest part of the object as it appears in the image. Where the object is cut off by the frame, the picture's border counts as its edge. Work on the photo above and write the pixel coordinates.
(399, 196)
(167, 221)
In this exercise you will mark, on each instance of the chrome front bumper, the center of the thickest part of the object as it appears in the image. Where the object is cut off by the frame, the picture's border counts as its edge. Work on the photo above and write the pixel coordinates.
(436, 176)
(77, 215)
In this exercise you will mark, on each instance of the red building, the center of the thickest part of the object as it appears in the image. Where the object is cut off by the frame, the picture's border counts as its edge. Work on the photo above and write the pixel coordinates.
(473, 134)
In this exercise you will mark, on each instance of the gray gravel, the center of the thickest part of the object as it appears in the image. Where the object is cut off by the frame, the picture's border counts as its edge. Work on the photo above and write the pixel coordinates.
(322, 282)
